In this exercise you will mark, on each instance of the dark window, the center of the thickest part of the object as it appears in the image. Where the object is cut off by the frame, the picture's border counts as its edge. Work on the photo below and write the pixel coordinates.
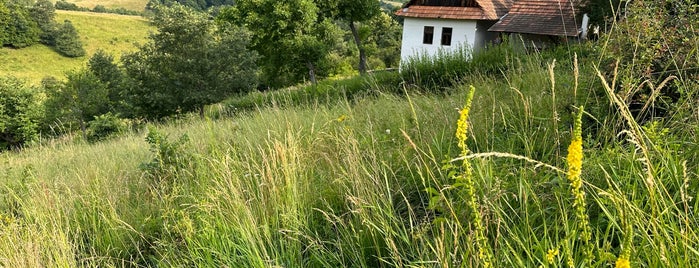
(446, 36)
(428, 36)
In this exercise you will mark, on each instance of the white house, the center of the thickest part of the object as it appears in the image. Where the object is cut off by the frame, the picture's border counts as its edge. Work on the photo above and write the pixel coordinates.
(447, 25)
(431, 26)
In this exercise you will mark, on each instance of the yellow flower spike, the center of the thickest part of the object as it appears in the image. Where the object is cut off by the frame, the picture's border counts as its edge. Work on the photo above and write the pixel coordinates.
(466, 179)
(462, 124)
(574, 160)
(623, 262)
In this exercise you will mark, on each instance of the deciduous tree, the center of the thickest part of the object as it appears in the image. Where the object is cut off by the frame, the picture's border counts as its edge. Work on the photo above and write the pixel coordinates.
(289, 35)
(20, 30)
(189, 63)
(353, 12)
(19, 113)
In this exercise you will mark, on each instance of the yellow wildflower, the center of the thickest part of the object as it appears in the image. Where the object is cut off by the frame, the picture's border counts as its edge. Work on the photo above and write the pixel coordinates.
(341, 118)
(623, 262)
(462, 123)
(574, 160)
(551, 255)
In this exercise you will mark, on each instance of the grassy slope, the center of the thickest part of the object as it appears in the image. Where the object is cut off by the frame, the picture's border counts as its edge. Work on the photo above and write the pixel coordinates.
(343, 186)
(136, 5)
(116, 34)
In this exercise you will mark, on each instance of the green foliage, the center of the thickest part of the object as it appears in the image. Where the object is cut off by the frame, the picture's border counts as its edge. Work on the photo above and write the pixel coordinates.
(4, 22)
(188, 63)
(194, 4)
(352, 12)
(326, 92)
(383, 41)
(20, 113)
(602, 12)
(68, 42)
(20, 28)
(72, 104)
(289, 35)
(172, 158)
(656, 45)
(342, 185)
(64, 5)
(44, 13)
(103, 66)
(448, 68)
(105, 126)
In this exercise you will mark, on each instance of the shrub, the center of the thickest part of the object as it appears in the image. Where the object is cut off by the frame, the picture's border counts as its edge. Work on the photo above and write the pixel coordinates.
(171, 157)
(63, 5)
(105, 126)
(68, 42)
(19, 114)
(100, 9)
(657, 40)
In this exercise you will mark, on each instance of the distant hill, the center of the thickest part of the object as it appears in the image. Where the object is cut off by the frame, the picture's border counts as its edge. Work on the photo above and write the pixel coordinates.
(113, 33)
(136, 5)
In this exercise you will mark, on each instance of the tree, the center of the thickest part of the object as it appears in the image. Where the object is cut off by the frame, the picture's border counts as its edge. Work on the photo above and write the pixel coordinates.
(353, 12)
(102, 65)
(19, 113)
(20, 30)
(4, 22)
(43, 13)
(195, 4)
(290, 36)
(79, 99)
(68, 42)
(189, 63)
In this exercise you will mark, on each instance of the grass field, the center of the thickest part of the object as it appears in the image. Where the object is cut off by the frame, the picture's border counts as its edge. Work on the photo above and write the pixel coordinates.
(116, 34)
(136, 5)
(371, 182)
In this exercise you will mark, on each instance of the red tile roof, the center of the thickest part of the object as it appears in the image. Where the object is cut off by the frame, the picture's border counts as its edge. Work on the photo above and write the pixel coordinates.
(486, 10)
(544, 17)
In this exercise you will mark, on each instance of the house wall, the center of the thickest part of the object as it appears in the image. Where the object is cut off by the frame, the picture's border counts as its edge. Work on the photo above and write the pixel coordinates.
(463, 34)
(483, 36)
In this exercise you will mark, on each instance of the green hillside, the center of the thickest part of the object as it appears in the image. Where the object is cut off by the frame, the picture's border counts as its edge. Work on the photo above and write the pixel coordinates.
(136, 5)
(110, 32)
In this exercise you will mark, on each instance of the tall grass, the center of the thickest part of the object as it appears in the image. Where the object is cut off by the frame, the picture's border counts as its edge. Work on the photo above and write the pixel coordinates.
(369, 182)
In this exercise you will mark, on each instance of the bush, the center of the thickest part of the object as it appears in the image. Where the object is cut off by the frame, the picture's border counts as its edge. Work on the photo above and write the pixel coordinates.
(63, 5)
(100, 9)
(172, 159)
(68, 42)
(19, 114)
(657, 40)
(105, 126)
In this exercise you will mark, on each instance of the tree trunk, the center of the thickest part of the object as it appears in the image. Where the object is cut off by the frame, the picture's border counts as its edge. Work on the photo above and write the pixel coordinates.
(362, 54)
(312, 72)
(83, 128)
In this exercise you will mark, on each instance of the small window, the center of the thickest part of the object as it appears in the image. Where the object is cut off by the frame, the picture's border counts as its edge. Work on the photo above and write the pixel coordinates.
(446, 36)
(428, 36)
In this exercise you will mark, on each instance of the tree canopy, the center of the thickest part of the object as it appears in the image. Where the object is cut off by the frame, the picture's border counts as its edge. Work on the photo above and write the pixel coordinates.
(289, 35)
(190, 62)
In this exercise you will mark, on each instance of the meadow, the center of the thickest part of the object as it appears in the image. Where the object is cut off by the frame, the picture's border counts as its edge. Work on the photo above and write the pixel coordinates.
(116, 34)
(135, 5)
(546, 167)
